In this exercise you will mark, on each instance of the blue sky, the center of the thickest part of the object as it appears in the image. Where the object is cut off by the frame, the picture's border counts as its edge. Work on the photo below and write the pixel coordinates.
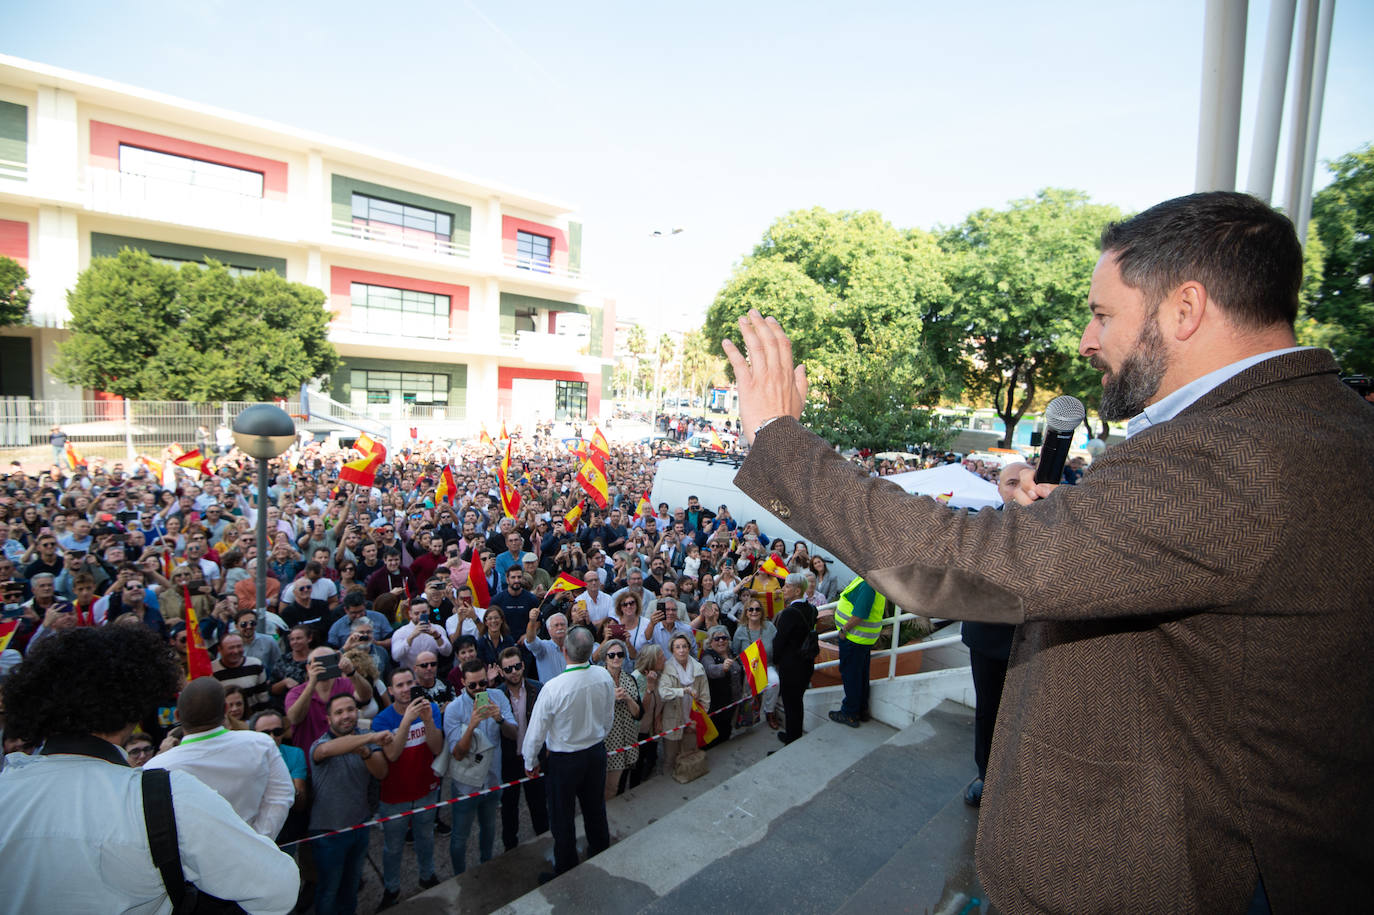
(716, 117)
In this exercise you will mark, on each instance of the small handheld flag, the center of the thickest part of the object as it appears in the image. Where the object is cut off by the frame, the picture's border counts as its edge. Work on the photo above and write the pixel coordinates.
(599, 443)
(593, 479)
(362, 472)
(706, 729)
(565, 582)
(755, 662)
(74, 460)
(197, 655)
(191, 460)
(477, 581)
(571, 519)
(486, 438)
(774, 566)
(447, 486)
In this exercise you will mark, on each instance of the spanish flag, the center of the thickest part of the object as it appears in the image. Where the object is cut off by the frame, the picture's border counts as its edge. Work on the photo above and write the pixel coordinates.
(477, 581)
(362, 472)
(504, 434)
(774, 566)
(447, 487)
(593, 479)
(755, 661)
(645, 507)
(716, 443)
(74, 460)
(191, 460)
(565, 582)
(485, 438)
(599, 443)
(945, 497)
(578, 446)
(706, 729)
(367, 446)
(572, 517)
(510, 495)
(197, 655)
(148, 465)
(7, 629)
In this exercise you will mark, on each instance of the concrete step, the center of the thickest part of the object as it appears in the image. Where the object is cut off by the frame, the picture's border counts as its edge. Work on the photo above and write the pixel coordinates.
(803, 830)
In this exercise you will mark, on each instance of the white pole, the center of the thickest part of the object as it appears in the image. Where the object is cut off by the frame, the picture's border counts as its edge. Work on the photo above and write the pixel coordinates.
(1302, 100)
(128, 436)
(1314, 121)
(1264, 154)
(1223, 73)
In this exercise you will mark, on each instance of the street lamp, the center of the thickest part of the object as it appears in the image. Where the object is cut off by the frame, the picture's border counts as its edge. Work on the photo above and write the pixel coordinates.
(263, 431)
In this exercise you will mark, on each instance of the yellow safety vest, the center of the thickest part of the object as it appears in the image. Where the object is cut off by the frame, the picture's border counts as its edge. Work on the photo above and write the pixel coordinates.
(869, 627)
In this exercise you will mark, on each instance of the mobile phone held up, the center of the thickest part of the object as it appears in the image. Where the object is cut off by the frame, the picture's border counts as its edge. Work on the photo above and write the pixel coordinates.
(331, 668)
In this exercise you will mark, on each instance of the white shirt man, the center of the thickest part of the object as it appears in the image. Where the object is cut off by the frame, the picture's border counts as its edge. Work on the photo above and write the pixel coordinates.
(418, 635)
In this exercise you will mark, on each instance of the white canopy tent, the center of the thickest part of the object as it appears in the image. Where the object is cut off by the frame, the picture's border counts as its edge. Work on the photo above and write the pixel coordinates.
(969, 490)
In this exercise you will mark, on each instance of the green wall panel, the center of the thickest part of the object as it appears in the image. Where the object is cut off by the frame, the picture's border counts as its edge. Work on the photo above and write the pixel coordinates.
(457, 372)
(109, 245)
(14, 132)
(344, 187)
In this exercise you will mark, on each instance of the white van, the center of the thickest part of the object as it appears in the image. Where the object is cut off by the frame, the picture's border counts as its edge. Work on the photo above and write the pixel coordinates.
(713, 482)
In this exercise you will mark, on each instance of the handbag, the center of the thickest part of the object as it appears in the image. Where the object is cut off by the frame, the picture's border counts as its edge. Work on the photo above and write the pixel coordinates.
(160, 822)
(473, 768)
(690, 765)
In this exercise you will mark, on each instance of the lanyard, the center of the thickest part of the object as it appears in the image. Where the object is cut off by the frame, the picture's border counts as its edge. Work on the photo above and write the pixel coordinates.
(206, 736)
(577, 667)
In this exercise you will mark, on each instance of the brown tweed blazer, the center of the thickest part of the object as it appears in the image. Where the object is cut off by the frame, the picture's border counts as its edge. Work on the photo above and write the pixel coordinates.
(1190, 700)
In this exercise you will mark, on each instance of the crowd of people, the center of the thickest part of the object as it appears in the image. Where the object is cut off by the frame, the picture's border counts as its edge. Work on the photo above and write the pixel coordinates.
(400, 627)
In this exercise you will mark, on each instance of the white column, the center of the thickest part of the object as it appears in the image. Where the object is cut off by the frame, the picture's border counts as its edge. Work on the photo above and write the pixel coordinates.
(1223, 72)
(1303, 213)
(1264, 153)
(313, 204)
(54, 148)
(491, 254)
(54, 265)
(1302, 99)
(482, 392)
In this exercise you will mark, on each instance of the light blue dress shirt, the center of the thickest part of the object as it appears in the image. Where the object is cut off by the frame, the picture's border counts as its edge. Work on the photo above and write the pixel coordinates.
(1166, 408)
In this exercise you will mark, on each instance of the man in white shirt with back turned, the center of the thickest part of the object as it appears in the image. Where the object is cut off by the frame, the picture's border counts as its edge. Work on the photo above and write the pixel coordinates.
(244, 767)
(572, 715)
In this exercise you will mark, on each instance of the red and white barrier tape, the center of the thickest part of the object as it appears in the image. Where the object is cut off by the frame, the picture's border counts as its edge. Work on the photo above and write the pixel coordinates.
(511, 784)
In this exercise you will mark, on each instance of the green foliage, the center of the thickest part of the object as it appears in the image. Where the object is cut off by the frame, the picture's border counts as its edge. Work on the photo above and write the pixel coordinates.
(700, 367)
(143, 329)
(853, 294)
(14, 293)
(636, 343)
(1020, 278)
(1343, 222)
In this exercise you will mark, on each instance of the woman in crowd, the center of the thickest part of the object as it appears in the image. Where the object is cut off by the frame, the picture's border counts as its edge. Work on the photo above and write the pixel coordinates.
(234, 709)
(234, 572)
(710, 617)
(625, 725)
(725, 592)
(647, 674)
(826, 584)
(683, 680)
(752, 628)
(348, 575)
(725, 676)
(632, 626)
(494, 638)
(290, 669)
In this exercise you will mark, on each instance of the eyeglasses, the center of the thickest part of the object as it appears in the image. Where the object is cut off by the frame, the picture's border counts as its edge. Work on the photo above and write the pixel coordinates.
(615, 654)
(248, 624)
(275, 732)
(720, 638)
(474, 687)
(140, 751)
(519, 665)
(629, 603)
(428, 664)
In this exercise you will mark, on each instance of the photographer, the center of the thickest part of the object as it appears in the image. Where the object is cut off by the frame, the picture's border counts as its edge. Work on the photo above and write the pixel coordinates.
(73, 810)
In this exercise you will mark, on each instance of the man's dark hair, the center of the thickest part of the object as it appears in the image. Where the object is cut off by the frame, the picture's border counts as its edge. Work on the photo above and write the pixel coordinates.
(355, 599)
(391, 674)
(463, 641)
(329, 706)
(509, 651)
(1244, 252)
(267, 712)
(89, 681)
(475, 666)
(391, 551)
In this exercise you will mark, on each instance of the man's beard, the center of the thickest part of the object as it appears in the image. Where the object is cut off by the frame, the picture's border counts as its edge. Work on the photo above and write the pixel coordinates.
(1128, 389)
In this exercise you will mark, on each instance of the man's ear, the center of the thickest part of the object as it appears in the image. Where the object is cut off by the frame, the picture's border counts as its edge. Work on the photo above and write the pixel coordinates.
(1182, 312)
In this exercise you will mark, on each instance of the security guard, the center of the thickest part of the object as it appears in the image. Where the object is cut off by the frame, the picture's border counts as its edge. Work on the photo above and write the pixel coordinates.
(858, 617)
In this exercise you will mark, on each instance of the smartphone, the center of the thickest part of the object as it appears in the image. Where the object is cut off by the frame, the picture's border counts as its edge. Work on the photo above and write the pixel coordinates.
(331, 668)
(196, 585)
(417, 692)
(482, 700)
(126, 517)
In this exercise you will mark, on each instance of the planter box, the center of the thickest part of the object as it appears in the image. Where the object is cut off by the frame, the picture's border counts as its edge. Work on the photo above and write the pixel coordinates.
(909, 663)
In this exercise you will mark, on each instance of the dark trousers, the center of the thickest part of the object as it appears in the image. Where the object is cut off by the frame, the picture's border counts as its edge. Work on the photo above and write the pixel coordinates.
(647, 765)
(510, 810)
(339, 860)
(573, 779)
(854, 676)
(988, 676)
(791, 688)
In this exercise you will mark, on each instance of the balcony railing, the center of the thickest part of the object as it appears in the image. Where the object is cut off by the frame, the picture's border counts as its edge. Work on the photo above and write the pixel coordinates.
(389, 331)
(400, 237)
(14, 171)
(142, 197)
(546, 347)
(524, 262)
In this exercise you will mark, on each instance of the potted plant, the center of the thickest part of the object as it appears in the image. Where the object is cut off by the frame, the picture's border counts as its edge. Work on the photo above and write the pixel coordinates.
(878, 665)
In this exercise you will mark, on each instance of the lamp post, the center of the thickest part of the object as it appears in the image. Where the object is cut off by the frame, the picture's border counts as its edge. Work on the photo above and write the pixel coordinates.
(658, 359)
(263, 431)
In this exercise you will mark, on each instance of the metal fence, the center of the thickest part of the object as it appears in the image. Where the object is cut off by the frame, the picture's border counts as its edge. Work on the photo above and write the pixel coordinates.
(102, 425)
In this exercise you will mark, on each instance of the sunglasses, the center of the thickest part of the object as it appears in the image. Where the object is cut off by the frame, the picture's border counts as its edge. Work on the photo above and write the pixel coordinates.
(428, 664)
(248, 624)
(720, 638)
(615, 654)
(513, 668)
(275, 732)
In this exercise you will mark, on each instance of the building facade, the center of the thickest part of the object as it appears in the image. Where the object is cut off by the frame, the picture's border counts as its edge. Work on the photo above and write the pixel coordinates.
(455, 301)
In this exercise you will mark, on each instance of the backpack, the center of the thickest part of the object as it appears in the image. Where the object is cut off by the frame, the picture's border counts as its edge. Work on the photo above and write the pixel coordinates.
(159, 819)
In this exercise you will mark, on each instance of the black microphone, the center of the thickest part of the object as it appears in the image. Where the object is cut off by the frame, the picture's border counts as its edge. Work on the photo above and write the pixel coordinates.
(1063, 416)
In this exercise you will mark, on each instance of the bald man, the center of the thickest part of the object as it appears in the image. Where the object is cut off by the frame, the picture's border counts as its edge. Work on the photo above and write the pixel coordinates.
(243, 767)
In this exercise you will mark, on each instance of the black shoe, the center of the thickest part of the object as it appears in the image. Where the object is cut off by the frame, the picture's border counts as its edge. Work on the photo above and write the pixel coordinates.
(429, 882)
(389, 899)
(441, 828)
(973, 794)
(842, 718)
(410, 835)
(784, 738)
(546, 877)
(864, 716)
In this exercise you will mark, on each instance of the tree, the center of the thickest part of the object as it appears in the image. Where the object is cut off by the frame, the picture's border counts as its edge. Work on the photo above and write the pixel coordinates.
(701, 368)
(1343, 221)
(664, 354)
(14, 293)
(1020, 279)
(143, 329)
(853, 293)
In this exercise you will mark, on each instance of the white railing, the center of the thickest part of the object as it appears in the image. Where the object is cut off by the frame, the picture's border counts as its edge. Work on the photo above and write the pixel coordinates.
(400, 237)
(440, 334)
(18, 171)
(142, 197)
(538, 266)
(891, 653)
(534, 345)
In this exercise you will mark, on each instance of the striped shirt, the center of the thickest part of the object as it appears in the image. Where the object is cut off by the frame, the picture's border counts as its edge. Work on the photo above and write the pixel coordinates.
(249, 677)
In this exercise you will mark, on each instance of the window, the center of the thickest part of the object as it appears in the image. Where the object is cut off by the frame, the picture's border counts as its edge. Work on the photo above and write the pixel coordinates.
(383, 387)
(179, 261)
(533, 252)
(569, 400)
(160, 166)
(408, 221)
(404, 312)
